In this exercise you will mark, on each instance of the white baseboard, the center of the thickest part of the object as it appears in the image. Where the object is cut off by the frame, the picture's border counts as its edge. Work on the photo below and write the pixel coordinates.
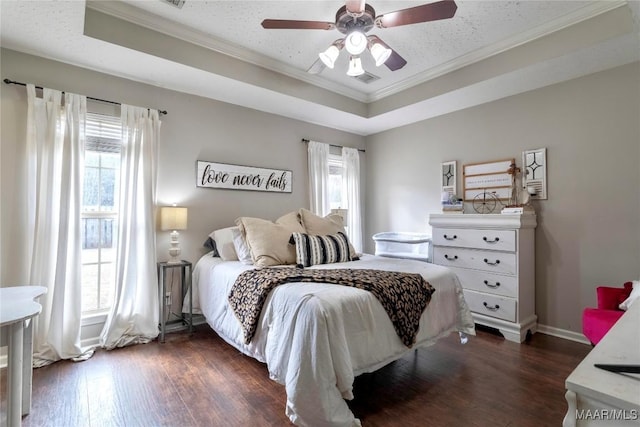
(563, 333)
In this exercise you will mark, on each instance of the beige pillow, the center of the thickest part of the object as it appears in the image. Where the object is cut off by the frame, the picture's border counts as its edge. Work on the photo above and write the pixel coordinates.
(291, 221)
(268, 242)
(318, 226)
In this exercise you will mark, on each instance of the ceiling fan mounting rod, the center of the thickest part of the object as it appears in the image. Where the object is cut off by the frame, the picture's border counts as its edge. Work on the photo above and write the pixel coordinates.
(355, 8)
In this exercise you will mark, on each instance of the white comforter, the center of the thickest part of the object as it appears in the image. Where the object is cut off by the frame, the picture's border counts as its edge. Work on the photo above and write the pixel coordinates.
(315, 338)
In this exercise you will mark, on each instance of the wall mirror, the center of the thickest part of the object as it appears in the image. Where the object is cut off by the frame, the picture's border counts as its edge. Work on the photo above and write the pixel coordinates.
(448, 178)
(534, 178)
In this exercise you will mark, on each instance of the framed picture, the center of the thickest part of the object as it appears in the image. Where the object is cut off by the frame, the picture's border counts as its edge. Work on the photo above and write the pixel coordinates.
(448, 178)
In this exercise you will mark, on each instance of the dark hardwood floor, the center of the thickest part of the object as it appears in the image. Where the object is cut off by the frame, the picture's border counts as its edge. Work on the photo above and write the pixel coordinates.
(199, 380)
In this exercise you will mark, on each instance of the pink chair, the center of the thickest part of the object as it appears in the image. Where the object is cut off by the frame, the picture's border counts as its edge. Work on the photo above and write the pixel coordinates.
(596, 322)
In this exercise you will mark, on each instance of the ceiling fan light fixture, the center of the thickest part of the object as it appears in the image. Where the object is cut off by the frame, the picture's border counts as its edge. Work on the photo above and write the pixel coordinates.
(356, 42)
(355, 19)
(380, 53)
(355, 67)
(330, 56)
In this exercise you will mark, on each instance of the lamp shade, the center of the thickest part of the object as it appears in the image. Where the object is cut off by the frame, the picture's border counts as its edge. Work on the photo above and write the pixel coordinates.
(173, 218)
(330, 55)
(355, 42)
(355, 67)
(380, 53)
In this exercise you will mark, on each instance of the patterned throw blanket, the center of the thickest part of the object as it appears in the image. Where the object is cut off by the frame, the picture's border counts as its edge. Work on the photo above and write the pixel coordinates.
(404, 296)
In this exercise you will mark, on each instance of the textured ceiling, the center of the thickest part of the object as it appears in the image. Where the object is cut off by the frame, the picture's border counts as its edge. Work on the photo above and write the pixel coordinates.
(476, 25)
(218, 49)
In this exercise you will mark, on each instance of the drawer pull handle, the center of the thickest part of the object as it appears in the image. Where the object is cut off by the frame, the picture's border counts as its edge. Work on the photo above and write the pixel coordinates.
(497, 285)
(453, 258)
(496, 240)
(492, 263)
(454, 237)
(492, 308)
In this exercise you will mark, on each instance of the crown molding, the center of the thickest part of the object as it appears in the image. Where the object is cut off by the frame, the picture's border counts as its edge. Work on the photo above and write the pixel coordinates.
(153, 22)
(575, 17)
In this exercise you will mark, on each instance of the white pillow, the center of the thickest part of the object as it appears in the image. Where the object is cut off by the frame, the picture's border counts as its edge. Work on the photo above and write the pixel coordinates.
(224, 243)
(635, 294)
(239, 244)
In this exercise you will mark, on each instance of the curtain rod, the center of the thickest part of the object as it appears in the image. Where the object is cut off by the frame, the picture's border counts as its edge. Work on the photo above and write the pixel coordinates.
(13, 82)
(305, 141)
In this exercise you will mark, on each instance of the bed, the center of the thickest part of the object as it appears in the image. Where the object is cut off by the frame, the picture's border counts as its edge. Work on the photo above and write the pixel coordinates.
(315, 338)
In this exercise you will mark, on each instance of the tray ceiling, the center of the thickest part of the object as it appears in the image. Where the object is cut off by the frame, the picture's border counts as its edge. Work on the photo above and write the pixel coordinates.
(452, 64)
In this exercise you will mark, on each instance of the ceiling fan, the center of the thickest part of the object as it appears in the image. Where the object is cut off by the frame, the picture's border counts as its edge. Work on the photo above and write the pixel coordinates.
(354, 20)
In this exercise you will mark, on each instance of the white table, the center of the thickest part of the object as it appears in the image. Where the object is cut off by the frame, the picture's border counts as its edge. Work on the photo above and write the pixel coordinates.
(17, 308)
(601, 398)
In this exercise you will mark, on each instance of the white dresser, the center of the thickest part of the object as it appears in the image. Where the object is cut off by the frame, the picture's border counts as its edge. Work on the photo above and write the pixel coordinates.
(494, 258)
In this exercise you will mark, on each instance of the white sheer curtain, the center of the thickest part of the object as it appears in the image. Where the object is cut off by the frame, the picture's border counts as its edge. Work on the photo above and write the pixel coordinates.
(133, 318)
(351, 192)
(318, 157)
(55, 157)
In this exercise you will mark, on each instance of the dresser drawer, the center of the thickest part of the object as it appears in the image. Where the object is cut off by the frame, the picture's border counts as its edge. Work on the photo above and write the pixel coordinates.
(499, 240)
(491, 305)
(491, 261)
(488, 282)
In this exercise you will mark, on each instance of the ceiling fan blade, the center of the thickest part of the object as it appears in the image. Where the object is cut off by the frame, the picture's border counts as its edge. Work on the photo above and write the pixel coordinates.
(395, 61)
(427, 12)
(317, 67)
(355, 7)
(288, 24)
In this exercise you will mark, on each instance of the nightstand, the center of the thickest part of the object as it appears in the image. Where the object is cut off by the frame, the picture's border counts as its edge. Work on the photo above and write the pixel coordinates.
(166, 299)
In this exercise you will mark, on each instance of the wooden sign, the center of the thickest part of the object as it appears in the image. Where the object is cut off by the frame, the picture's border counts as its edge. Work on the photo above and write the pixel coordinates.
(234, 177)
(492, 177)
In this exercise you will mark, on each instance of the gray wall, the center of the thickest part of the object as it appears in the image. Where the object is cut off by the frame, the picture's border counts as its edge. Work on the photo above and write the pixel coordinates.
(589, 228)
(195, 129)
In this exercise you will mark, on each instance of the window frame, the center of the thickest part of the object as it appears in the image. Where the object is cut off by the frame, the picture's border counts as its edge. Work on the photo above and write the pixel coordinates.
(335, 161)
(104, 136)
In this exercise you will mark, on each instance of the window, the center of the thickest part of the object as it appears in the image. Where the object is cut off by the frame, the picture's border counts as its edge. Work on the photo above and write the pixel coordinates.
(100, 211)
(335, 182)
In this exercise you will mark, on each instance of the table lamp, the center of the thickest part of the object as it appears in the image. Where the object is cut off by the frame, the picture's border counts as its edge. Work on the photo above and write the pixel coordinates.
(173, 218)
